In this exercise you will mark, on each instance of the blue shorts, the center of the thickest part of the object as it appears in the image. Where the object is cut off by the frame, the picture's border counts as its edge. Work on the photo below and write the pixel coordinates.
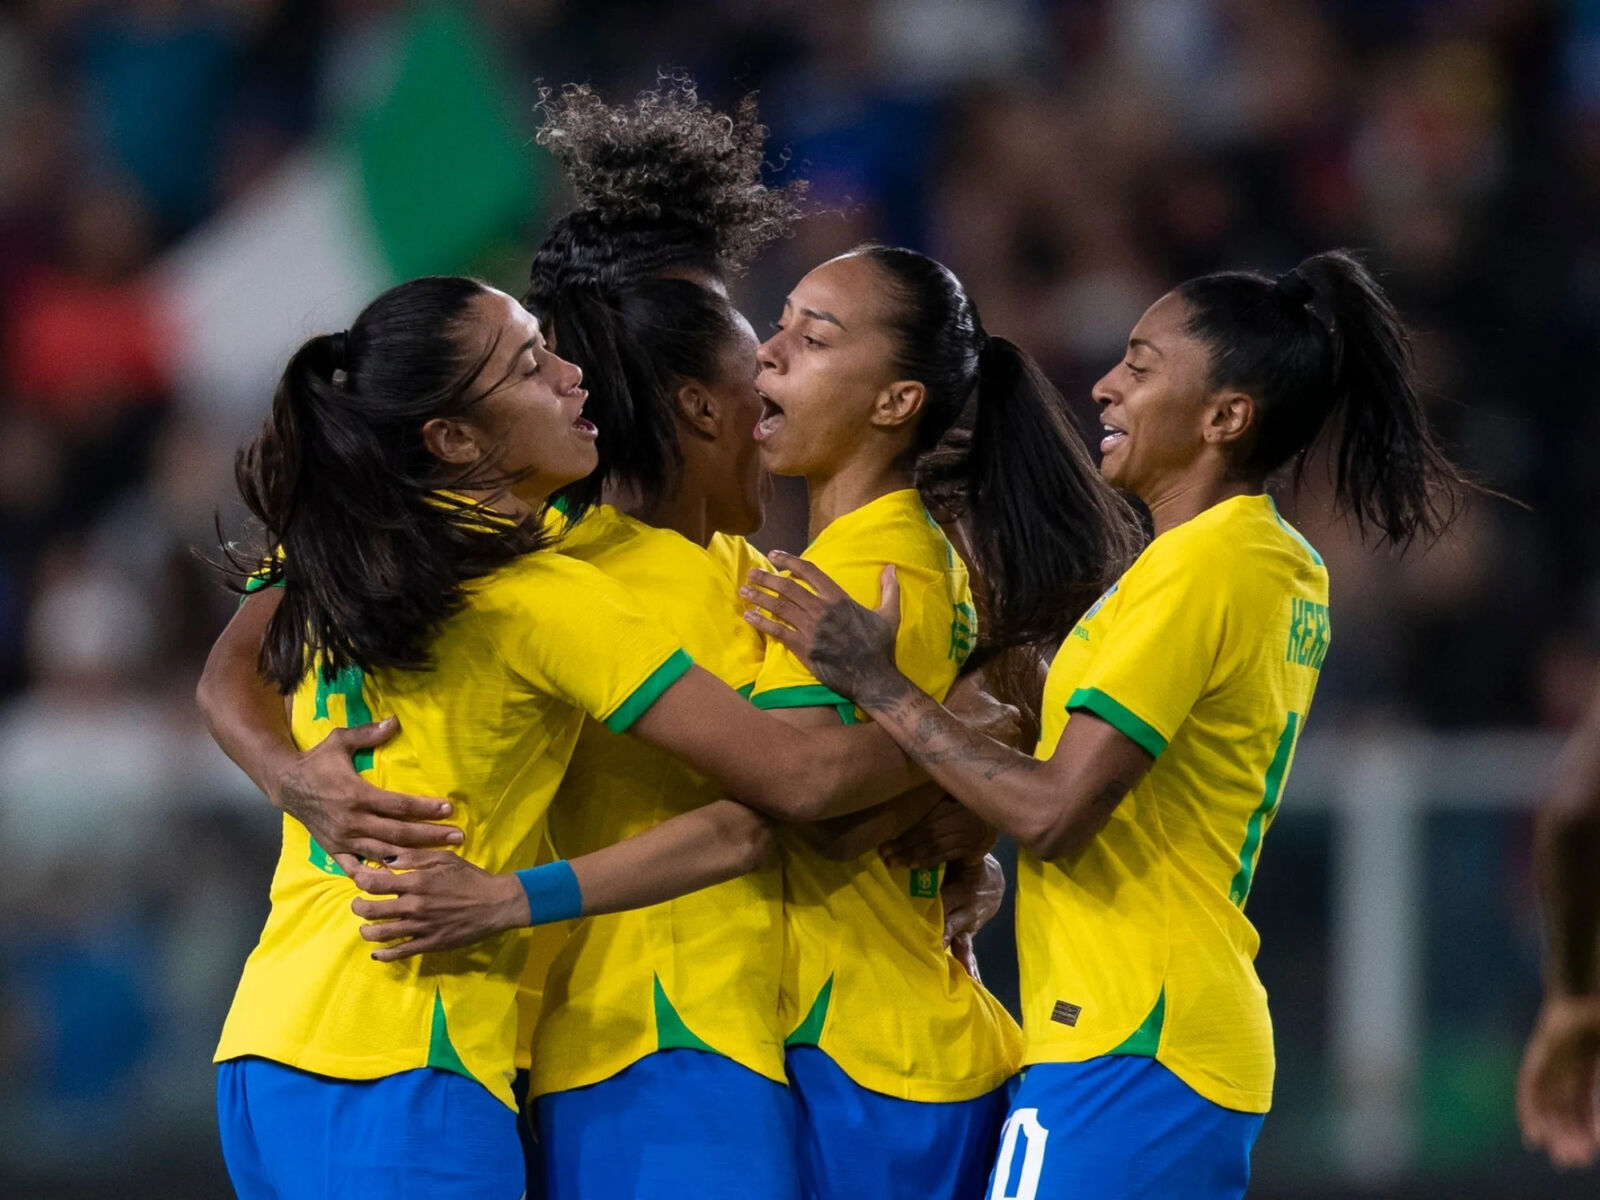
(675, 1123)
(420, 1135)
(1119, 1128)
(856, 1142)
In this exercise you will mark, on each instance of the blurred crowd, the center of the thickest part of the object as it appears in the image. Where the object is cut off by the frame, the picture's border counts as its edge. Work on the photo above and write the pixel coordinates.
(1070, 159)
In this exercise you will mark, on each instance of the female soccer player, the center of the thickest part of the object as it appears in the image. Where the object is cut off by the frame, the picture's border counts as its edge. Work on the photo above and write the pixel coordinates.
(659, 1023)
(1171, 716)
(898, 1058)
(400, 479)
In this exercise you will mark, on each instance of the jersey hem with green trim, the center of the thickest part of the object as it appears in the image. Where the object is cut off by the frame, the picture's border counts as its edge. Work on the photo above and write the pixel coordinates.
(1143, 1041)
(1133, 727)
(809, 1031)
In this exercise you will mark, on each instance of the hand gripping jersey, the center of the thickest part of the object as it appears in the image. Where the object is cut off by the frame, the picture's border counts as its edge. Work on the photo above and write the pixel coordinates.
(540, 643)
(1205, 653)
(701, 971)
(867, 978)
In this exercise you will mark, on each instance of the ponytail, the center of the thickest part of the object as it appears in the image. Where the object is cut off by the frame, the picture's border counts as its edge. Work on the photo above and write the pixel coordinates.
(1322, 347)
(995, 446)
(372, 553)
(1389, 471)
(1048, 534)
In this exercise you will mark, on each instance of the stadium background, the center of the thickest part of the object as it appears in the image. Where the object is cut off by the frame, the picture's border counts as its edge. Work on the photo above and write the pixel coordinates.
(187, 188)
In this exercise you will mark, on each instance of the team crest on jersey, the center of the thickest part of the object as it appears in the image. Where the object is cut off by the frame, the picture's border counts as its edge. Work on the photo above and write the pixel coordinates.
(1078, 630)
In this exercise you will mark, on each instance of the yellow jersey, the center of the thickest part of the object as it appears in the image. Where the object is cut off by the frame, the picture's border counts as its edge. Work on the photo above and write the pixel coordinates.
(490, 726)
(1205, 653)
(867, 978)
(702, 971)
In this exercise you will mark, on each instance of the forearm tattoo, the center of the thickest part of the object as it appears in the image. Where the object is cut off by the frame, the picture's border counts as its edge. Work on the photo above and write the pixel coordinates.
(936, 736)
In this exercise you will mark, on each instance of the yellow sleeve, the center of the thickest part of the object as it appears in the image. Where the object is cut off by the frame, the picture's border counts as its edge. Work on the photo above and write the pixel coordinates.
(1161, 649)
(784, 681)
(580, 636)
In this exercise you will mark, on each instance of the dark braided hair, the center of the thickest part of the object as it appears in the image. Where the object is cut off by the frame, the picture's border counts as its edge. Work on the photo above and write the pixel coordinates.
(670, 197)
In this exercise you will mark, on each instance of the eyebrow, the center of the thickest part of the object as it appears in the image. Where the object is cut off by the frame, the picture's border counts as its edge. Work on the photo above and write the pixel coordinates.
(815, 314)
(1137, 343)
(526, 346)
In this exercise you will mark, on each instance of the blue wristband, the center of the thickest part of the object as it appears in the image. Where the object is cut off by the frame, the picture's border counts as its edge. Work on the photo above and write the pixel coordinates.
(553, 892)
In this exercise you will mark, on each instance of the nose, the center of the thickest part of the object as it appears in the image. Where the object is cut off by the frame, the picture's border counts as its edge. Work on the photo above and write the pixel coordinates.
(571, 375)
(767, 355)
(1102, 393)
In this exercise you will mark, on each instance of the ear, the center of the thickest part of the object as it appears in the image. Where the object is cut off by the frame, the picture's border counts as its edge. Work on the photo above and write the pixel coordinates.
(699, 410)
(898, 404)
(452, 441)
(1230, 415)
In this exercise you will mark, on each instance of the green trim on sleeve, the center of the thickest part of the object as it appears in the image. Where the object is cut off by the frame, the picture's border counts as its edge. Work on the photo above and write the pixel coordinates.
(807, 695)
(256, 582)
(746, 689)
(648, 692)
(1135, 728)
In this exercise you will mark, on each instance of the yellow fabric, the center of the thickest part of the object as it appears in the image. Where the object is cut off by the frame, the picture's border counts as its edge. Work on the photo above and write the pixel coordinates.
(867, 978)
(491, 726)
(703, 970)
(544, 943)
(1207, 652)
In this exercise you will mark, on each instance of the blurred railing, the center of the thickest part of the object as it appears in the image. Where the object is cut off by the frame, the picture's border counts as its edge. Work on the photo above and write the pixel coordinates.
(1379, 788)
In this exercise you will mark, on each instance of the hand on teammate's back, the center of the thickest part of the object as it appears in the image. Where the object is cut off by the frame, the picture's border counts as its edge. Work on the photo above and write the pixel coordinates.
(1558, 1088)
(441, 902)
(349, 817)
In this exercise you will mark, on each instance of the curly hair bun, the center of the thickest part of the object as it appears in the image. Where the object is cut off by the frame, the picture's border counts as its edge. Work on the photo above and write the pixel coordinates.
(667, 168)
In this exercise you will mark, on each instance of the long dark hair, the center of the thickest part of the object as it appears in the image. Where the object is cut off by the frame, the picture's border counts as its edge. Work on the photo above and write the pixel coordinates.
(666, 186)
(1046, 532)
(1322, 347)
(373, 553)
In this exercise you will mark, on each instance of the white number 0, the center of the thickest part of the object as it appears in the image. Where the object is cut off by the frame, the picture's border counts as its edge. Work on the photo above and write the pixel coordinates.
(1024, 1123)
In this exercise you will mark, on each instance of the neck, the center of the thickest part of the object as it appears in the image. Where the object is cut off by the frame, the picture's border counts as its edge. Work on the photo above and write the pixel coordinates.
(1183, 500)
(498, 500)
(847, 489)
(684, 510)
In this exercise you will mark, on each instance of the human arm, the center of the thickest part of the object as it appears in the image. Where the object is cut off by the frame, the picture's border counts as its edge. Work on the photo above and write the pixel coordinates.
(787, 772)
(442, 901)
(1053, 807)
(319, 787)
(919, 812)
(1558, 1087)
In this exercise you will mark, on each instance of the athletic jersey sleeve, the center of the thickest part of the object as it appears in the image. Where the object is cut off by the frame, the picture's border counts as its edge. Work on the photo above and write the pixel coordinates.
(783, 680)
(1163, 647)
(575, 633)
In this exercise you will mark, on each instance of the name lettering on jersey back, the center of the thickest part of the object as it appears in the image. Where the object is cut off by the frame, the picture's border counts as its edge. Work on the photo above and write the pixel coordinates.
(1308, 633)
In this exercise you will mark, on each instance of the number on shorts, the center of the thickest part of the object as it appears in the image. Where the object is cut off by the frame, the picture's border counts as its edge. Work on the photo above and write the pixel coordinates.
(1022, 1123)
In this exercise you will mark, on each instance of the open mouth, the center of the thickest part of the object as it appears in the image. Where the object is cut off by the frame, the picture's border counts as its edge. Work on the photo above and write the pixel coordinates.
(771, 418)
(1111, 437)
(586, 427)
